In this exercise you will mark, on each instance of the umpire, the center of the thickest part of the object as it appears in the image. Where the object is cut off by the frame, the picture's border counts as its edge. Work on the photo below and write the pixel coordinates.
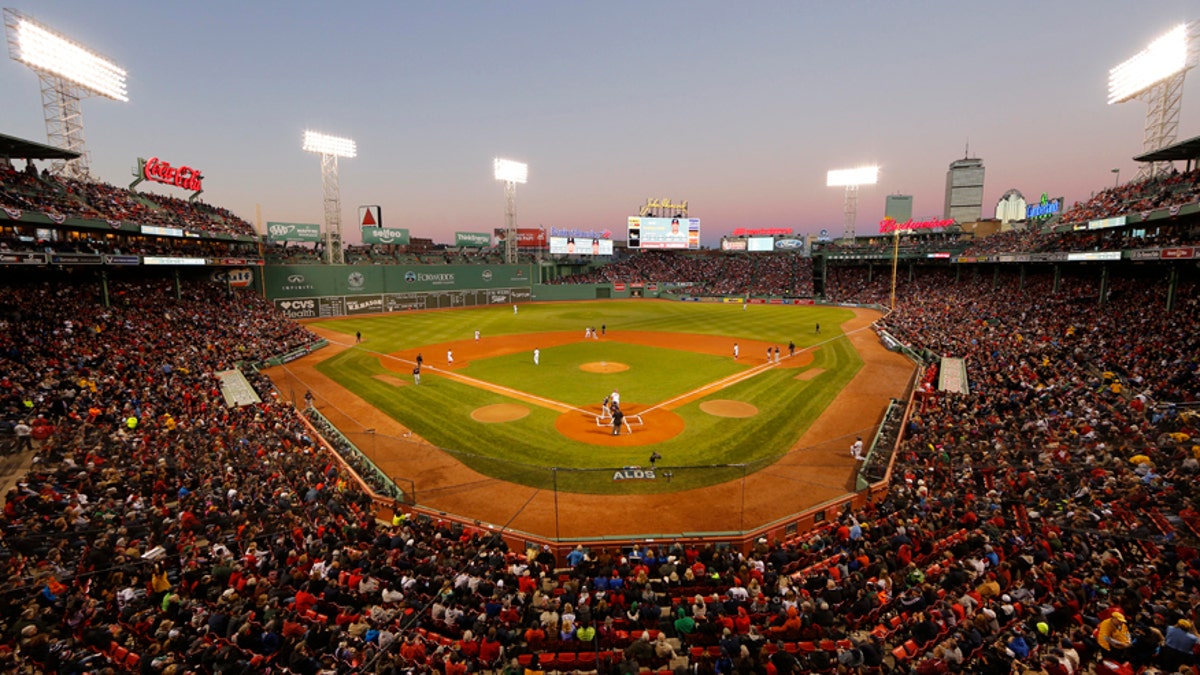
(617, 417)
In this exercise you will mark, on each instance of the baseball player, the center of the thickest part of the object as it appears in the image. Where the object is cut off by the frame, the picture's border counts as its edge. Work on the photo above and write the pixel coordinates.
(587, 333)
(856, 449)
(735, 351)
(615, 398)
(537, 353)
(514, 309)
(449, 357)
(417, 374)
(604, 406)
(477, 336)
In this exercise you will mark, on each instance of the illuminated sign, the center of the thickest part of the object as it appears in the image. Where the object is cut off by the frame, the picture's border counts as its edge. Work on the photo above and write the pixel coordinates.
(733, 244)
(580, 234)
(156, 170)
(580, 246)
(168, 260)
(786, 244)
(665, 205)
(761, 231)
(1102, 223)
(665, 233)
(156, 231)
(1045, 208)
(761, 244)
(889, 225)
(1099, 255)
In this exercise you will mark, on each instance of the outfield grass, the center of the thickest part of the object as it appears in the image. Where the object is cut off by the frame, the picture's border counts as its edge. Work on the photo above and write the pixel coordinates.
(439, 410)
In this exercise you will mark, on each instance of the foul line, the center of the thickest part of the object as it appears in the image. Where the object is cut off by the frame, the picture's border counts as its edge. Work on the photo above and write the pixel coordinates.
(551, 404)
(736, 378)
(485, 385)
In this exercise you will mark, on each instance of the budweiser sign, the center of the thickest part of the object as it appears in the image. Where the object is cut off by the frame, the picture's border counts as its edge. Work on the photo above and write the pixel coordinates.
(182, 176)
(889, 225)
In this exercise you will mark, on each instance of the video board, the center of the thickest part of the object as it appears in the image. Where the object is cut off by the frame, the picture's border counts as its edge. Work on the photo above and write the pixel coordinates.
(664, 233)
(580, 246)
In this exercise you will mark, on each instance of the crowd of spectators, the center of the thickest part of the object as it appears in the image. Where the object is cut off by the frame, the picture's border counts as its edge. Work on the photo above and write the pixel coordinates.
(1165, 190)
(160, 531)
(712, 273)
(114, 244)
(59, 196)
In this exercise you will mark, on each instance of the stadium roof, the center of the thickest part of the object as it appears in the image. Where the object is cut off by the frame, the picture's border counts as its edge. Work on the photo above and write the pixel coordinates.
(19, 148)
(1181, 151)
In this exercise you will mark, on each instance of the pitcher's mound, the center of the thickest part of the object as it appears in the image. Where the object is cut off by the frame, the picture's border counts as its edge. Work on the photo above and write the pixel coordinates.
(603, 367)
(500, 412)
(724, 408)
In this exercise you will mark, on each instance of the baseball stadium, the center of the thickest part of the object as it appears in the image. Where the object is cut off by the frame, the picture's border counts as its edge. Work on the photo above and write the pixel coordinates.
(951, 445)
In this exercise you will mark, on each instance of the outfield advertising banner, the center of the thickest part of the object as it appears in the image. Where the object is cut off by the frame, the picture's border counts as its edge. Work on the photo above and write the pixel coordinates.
(472, 239)
(385, 235)
(307, 281)
(327, 307)
(307, 232)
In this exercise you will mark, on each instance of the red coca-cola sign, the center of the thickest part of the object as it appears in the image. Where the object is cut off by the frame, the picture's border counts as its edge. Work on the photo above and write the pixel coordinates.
(183, 176)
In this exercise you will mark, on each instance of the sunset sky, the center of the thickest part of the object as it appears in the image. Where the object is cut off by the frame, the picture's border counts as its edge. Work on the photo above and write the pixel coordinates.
(738, 108)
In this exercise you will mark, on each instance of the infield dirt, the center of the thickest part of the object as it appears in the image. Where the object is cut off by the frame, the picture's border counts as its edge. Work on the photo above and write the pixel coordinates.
(817, 469)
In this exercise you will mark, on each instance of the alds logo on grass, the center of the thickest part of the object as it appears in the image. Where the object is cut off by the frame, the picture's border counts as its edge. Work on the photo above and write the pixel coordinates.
(633, 473)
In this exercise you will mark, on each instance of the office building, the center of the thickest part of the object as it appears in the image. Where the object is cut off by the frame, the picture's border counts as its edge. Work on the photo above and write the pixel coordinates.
(964, 190)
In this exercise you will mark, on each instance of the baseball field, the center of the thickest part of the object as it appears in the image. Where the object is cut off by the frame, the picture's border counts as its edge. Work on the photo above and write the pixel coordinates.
(478, 429)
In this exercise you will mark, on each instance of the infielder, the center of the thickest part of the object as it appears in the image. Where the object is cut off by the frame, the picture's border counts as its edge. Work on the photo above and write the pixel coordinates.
(477, 336)
(449, 357)
(537, 353)
(735, 351)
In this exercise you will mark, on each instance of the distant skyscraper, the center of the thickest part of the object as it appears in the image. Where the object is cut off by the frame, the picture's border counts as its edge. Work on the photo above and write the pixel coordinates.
(898, 208)
(964, 190)
(1011, 206)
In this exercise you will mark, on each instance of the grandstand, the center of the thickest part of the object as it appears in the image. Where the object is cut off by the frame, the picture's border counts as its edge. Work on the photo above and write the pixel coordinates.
(152, 528)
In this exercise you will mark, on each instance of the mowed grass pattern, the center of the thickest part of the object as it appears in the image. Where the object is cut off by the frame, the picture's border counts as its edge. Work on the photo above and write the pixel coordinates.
(559, 377)
(522, 451)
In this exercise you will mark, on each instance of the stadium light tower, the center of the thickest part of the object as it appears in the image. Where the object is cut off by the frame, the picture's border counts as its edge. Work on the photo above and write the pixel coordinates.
(330, 148)
(1155, 75)
(511, 173)
(68, 72)
(851, 179)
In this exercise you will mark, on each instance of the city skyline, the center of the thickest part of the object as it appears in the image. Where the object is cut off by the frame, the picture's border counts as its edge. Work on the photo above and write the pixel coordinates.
(740, 111)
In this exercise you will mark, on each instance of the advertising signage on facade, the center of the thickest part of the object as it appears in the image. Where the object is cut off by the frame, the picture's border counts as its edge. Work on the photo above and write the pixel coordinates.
(527, 237)
(385, 235)
(580, 246)
(293, 232)
(472, 239)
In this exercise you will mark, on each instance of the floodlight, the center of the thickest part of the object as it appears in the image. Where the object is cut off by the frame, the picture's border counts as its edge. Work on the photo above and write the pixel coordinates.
(330, 148)
(867, 175)
(50, 52)
(1164, 57)
(511, 172)
(324, 144)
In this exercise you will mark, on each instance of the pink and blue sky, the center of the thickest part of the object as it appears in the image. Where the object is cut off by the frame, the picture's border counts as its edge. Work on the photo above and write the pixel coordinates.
(738, 108)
